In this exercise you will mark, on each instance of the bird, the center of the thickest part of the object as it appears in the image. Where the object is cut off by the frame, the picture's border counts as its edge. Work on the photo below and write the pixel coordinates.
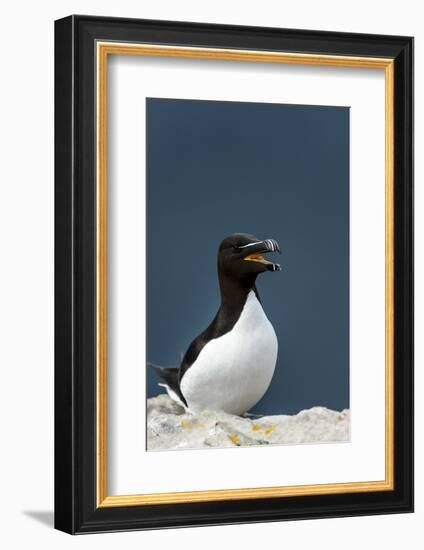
(229, 366)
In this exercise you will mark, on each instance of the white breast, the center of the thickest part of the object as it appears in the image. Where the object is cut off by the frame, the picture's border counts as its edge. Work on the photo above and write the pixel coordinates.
(233, 372)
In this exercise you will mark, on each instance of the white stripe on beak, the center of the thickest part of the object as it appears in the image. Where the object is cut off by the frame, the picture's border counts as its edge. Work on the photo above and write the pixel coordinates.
(250, 244)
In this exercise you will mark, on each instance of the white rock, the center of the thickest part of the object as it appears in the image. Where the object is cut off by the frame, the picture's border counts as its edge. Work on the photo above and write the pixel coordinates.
(169, 427)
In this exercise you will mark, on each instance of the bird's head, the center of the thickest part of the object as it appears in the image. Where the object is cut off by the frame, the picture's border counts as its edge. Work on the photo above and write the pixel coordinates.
(241, 256)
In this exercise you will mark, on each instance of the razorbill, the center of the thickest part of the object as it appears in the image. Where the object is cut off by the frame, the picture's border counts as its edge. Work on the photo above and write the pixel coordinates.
(229, 366)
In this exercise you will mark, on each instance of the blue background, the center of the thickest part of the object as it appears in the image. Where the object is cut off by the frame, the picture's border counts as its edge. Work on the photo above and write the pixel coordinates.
(276, 171)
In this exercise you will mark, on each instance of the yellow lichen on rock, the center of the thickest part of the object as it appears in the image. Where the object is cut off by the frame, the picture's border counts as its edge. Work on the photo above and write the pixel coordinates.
(186, 424)
(234, 438)
(270, 429)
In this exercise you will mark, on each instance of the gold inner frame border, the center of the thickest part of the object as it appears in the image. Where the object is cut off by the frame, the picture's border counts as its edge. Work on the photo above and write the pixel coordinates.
(103, 50)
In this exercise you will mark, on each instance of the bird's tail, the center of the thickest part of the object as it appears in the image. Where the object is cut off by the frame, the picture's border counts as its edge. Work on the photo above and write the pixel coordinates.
(170, 381)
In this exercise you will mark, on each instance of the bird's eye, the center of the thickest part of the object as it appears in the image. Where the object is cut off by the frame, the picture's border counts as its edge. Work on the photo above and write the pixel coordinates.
(236, 248)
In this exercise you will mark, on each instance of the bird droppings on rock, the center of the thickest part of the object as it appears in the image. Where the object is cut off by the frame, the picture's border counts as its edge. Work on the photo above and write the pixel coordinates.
(170, 427)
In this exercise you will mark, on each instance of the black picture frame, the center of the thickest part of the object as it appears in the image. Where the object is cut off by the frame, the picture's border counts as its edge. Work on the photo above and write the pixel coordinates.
(76, 509)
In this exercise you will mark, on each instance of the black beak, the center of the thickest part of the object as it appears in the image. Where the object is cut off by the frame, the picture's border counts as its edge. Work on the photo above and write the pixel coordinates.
(273, 246)
(253, 250)
(268, 245)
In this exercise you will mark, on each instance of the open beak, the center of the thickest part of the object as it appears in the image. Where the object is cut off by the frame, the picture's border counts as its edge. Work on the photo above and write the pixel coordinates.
(255, 250)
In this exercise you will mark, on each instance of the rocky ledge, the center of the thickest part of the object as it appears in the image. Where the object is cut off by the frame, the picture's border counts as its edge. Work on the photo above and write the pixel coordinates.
(169, 427)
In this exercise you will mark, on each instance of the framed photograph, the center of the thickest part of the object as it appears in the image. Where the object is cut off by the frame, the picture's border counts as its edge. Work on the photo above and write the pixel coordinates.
(233, 274)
